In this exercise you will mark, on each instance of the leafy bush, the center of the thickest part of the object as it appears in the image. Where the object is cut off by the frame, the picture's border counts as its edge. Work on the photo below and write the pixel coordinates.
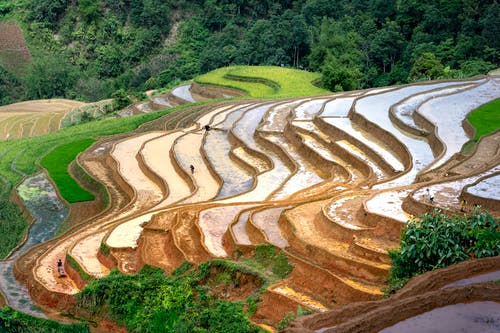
(437, 240)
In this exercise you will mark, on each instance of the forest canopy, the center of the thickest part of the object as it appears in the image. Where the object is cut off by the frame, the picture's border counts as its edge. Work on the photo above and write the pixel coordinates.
(91, 48)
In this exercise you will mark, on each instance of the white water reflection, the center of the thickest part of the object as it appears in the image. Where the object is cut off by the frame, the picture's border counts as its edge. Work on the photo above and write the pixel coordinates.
(487, 188)
(405, 110)
(448, 112)
(369, 140)
(183, 92)
(376, 109)
(309, 110)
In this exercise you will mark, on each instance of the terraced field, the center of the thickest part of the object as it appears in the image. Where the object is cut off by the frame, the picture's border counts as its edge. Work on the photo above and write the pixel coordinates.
(330, 180)
(34, 118)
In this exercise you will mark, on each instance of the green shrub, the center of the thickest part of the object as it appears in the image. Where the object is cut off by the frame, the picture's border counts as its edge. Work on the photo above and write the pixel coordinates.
(438, 240)
(73, 263)
(104, 249)
(291, 316)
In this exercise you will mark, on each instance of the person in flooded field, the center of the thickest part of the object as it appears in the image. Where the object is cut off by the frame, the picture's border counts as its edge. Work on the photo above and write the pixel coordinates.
(430, 195)
(192, 168)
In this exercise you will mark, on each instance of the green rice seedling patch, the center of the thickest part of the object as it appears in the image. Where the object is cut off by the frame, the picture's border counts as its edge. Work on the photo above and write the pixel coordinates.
(485, 119)
(56, 163)
(265, 81)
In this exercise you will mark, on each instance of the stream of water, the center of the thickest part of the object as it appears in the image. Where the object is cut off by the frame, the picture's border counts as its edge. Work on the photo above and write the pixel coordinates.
(39, 197)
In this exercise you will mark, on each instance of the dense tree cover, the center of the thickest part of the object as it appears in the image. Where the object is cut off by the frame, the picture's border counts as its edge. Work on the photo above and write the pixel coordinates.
(10, 87)
(106, 45)
(438, 240)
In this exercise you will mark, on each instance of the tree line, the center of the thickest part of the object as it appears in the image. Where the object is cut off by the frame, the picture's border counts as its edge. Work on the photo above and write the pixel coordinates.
(91, 48)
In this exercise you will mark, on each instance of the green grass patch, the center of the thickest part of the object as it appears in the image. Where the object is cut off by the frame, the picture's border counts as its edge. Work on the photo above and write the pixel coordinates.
(485, 119)
(12, 223)
(12, 321)
(57, 162)
(264, 81)
(271, 262)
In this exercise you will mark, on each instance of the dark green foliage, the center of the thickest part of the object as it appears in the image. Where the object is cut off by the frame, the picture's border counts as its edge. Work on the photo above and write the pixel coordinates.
(476, 67)
(104, 249)
(426, 67)
(130, 45)
(49, 77)
(154, 302)
(438, 240)
(47, 12)
(120, 99)
(10, 87)
(12, 223)
(12, 321)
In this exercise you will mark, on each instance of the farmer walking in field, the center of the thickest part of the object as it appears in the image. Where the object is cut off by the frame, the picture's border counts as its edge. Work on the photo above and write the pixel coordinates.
(60, 268)
(430, 195)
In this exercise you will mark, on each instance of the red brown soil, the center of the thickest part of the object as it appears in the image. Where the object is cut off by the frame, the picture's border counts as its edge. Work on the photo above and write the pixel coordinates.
(240, 286)
(106, 326)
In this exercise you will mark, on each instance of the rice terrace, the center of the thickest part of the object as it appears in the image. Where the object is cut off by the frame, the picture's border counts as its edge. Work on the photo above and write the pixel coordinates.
(281, 197)
(214, 166)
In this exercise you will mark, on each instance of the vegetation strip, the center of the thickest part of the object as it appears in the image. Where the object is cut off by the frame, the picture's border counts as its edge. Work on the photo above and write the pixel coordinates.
(485, 119)
(57, 162)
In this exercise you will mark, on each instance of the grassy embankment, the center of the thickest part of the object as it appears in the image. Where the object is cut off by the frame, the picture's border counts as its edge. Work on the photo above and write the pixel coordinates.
(264, 81)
